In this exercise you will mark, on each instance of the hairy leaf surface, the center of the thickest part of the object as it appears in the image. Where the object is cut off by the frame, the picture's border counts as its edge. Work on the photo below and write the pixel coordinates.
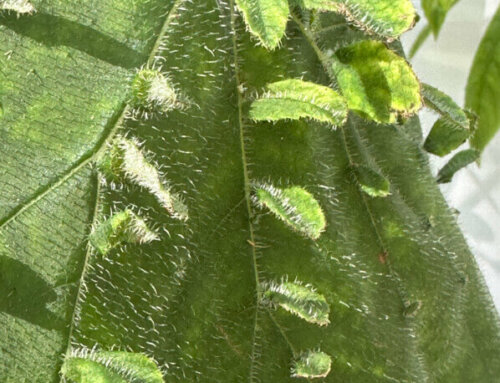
(266, 19)
(90, 366)
(294, 99)
(407, 302)
(386, 18)
(451, 129)
(444, 105)
(457, 162)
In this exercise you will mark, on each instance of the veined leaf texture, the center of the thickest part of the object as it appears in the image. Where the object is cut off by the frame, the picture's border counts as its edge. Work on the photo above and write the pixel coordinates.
(371, 279)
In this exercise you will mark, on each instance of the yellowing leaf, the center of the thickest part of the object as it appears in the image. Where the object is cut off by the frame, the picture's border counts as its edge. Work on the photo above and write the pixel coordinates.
(376, 82)
(266, 19)
(294, 99)
(312, 364)
(88, 366)
(295, 206)
(387, 18)
(301, 300)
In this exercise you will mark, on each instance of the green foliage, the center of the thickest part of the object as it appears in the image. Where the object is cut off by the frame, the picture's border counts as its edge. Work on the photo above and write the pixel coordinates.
(295, 206)
(436, 11)
(445, 137)
(301, 300)
(125, 161)
(457, 162)
(294, 99)
(444, 105)
(320, 5)
(483, 93)
(371, 182)
(384, 18)
(152, 92)
(266, 19)
(420, 40)
(312, 364)
(89, 366)
(376, 82)
(452, 129)
(123, 226)
(406, 299)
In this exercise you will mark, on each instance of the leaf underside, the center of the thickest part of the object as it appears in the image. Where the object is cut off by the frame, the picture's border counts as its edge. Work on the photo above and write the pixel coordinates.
(190, 300)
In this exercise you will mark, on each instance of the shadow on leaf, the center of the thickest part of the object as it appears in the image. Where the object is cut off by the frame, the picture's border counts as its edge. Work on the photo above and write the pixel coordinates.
(18, 283)
(55, 31)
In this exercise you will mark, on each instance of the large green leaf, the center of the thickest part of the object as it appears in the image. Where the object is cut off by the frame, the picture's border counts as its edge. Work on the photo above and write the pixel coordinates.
(483, 92)
(388, 289)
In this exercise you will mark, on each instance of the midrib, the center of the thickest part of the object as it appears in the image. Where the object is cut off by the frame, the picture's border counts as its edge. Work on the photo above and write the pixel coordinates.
(97, 152)
(246, 185)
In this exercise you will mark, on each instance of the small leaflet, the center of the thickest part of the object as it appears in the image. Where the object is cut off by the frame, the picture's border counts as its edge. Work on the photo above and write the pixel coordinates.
(266, 19)
(126, 162)
(295, 206)
(444, 105)
(445, 136)
(378, 84)
(312, 364)
(453, 127)
(122, 227)
(385, 18)
(294, 99)
(300, 300)
(458, 161)
(152, 92)
(18, 6)
(371, 182)
(90, 366)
